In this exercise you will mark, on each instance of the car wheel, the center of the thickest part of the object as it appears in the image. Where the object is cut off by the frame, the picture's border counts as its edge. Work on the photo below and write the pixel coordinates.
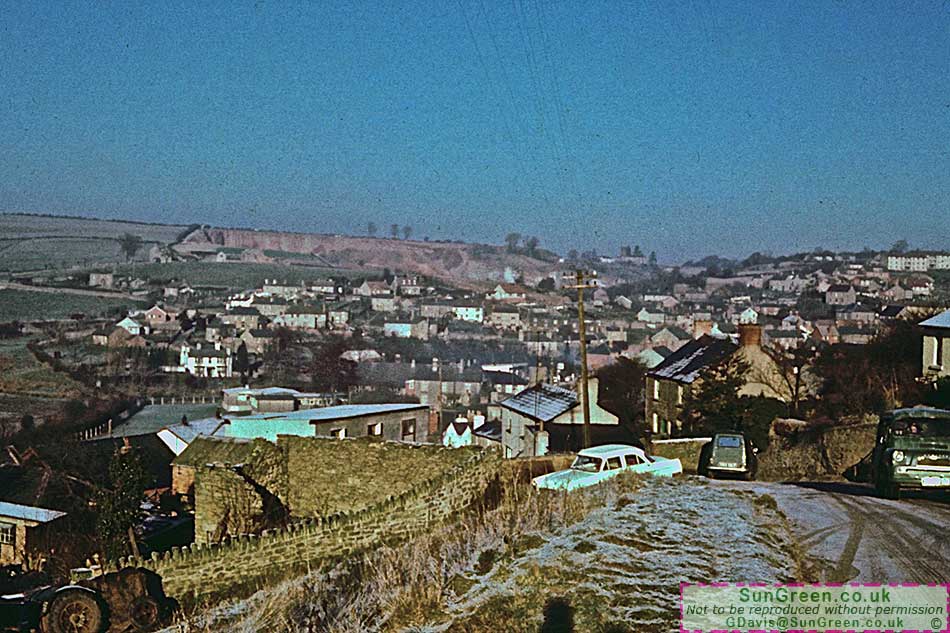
(75, 611)
(888, 489)
(702, 468)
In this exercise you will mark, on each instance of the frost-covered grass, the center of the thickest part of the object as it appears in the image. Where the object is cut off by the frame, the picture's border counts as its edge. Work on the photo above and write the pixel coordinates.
(609, 558)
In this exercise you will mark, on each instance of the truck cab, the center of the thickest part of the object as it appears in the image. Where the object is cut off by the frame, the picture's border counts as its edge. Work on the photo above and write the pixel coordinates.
(912, 450)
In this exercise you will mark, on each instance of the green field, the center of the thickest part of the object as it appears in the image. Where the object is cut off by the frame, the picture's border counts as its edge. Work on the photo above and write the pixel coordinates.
(60, 253)
(23, 305)
(238, 276)
(44, 242)
(22, 374)
(15, 225)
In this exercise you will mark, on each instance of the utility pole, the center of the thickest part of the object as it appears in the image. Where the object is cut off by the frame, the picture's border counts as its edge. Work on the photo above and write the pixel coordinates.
(582, 332)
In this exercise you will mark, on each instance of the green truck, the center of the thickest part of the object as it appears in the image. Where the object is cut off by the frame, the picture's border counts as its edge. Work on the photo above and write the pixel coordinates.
(912, 450)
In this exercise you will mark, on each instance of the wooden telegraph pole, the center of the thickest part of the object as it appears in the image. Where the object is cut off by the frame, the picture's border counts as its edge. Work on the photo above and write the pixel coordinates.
(582, 331)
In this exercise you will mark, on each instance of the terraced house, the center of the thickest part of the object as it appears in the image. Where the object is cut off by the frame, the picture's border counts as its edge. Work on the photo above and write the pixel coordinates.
(669, 383)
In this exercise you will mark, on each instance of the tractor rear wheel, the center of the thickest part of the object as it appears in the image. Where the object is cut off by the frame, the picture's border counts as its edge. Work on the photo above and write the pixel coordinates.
(75, 611)
(144, 613)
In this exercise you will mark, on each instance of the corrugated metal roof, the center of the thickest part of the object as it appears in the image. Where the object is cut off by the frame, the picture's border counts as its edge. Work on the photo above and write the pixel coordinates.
(542, 402)
(28, 513)
(942, 320)
(337, 412)
(685, 364)
(188, 432)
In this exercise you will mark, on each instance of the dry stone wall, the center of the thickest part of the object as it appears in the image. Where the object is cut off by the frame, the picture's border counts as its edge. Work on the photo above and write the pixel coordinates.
(243, 564)
(325, 476)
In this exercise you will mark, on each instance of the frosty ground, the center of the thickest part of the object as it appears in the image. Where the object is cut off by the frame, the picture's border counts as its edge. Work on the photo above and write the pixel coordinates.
(609, 558)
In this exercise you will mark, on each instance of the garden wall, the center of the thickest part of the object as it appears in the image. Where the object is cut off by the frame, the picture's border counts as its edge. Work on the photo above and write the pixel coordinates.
(241, 565)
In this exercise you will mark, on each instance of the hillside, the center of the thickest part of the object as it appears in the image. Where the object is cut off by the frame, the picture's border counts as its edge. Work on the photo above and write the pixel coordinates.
(35, 242)
(447, 260)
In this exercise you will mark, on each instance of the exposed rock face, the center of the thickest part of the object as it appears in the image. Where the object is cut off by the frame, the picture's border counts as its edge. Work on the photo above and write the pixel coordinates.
(437, 259)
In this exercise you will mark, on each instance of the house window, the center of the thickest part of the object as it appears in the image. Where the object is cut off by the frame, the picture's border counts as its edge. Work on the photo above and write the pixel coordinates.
(656, 423)
(679, 394)
(338, 433)
(409, 429)
(938, 344)
(7, 534)
(375, 429)
(656, 389)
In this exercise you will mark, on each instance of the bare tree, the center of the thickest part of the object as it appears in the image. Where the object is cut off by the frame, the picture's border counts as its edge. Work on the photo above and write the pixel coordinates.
(531, 244)
(406, 232)
(130, 245)
(394, 231)
(371, 229)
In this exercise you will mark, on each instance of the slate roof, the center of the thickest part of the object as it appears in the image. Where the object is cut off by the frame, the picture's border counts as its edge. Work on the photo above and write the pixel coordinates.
(542, 402)
(685, 364)
(490, 431)
(942, 321)
(244, 310)
(28, 513)
(205, 450)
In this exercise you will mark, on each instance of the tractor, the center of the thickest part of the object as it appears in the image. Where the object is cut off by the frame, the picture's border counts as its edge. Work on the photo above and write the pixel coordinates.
(131, 599)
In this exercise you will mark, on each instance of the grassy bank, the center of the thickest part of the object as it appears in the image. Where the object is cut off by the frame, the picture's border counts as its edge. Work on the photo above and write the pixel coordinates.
(609, 558)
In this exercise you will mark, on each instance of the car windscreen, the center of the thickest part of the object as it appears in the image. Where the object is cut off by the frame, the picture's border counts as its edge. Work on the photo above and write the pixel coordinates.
(921, 427)
(729, 441)
(586, 464)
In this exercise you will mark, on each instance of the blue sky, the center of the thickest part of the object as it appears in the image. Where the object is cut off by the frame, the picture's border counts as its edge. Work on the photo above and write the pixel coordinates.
(689, 128)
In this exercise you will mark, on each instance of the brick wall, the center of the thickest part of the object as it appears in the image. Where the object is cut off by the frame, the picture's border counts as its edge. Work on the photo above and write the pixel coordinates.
(240, 565)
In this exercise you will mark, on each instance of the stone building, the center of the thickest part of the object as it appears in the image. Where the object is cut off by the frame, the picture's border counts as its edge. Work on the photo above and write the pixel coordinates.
(24, 530)
(398, 422)
(670, 382)
(545, 418)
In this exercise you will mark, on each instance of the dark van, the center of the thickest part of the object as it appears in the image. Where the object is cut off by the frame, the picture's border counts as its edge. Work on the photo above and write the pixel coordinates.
(729, 454)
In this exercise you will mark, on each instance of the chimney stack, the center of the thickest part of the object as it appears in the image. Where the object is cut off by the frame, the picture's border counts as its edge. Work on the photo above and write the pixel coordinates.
(701, 327)
(750, 335)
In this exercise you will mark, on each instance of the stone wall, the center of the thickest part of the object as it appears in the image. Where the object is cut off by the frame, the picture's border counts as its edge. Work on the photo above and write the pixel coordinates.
(325, 476)
(816, 454)
(204, 573)
(229, 505)
(685, 449)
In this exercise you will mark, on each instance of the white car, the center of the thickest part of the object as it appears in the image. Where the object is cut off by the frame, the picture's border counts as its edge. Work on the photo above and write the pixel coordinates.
(599, 463)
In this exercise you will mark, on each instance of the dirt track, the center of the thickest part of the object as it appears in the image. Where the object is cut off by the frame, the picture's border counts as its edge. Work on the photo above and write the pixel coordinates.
(848, 533)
